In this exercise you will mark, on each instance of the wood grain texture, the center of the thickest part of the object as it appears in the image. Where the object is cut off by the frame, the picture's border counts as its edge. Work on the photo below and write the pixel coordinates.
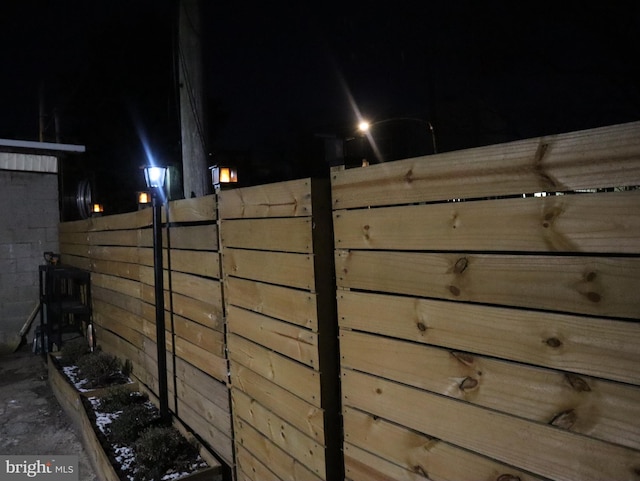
(602, 157)
(292, 234)
(283, 199)
(278, 431)
(303, 415)
(585, 285)
(370, 437)
(570, 343)
(599, 409)
(291, 305)
(196, 209)
(588, 223)
(287, 339)
(541, 449)
(300, 380)
(286, 269)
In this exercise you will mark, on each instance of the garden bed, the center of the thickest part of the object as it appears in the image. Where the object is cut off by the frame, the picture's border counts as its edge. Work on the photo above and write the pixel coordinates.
(82, 405)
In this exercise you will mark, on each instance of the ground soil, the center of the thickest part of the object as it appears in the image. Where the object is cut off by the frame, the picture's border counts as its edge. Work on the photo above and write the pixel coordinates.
(31, 420)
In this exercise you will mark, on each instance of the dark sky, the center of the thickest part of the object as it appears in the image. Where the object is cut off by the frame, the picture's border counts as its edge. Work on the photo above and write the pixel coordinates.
(276, 72)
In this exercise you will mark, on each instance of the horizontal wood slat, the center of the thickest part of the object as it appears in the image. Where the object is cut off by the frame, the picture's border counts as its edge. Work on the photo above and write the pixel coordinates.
(370, 438)
(590, 223)
(291, 305)
(300, 413)
(277, 430)
(586, 285)
(602, 157)
(288, 339)
(558, 454)
(300, 380)
(287, 269)
(293, 234)
(282, 199)
(196, 209)
(570, 343)
(600, 409)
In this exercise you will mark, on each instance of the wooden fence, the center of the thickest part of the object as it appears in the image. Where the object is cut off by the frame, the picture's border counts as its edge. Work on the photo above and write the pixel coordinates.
(119, 252)
(282, 334)
(487, 315)
(488, 308)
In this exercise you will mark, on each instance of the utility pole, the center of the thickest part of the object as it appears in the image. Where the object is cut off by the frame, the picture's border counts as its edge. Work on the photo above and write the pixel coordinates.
(195, 172)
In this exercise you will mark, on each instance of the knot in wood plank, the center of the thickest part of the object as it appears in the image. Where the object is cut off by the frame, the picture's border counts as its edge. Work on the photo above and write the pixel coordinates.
(565, 419)
(577, 383)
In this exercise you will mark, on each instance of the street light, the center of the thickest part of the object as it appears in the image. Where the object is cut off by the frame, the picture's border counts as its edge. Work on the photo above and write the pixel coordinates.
(365, 127)
(223, 175)
(154, 177)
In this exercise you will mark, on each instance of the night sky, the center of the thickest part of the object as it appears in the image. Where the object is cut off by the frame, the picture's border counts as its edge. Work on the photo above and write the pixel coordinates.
(276, 74)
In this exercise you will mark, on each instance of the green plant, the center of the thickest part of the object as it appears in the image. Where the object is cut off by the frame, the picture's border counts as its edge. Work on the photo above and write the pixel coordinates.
(118, 397)
(100, 369)
(160, 448)
(73, 350)
(133, 419)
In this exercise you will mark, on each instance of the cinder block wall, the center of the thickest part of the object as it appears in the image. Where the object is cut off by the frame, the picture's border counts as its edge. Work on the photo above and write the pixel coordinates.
(28, 227)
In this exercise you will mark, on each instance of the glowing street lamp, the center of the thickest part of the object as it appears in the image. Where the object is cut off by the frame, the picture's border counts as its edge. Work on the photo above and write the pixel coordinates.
(223, 175)
(154, 177)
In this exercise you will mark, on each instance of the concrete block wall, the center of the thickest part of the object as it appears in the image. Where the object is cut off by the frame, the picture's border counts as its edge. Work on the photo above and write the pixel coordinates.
(29, 220)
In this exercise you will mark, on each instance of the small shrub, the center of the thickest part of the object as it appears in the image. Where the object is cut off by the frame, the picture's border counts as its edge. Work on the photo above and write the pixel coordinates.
(100, 369)
(133, 419)
(73, 350)
(118, 397)
(160, 448)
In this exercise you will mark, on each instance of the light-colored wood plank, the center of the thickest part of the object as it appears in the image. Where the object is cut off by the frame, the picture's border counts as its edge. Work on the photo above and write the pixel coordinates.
(118, 299)
(607, 222)
(293, 234)
(602, 157)
(194, 209)
(197, 237)
(287, 269)
(361, 465)
(207, 362)
(195, 287)
(277, 430)
(81, 226)
(199, 335)
(118, 269)
(541, 449)
(603, 410)
(75, 250)
(200, 263)
(282, 199)
(300, 380)
(114, 253)
(216, 439)
(214, 390)
(114, 238)
(416, 452)
(130, 220)
(291, 305)
(284, 338)
(118, 284)
(81, 262)
(279, 461)
(81, 238)
(251, 469)
(303, 415)
(585, 285)
(210, 412)
(570, 343)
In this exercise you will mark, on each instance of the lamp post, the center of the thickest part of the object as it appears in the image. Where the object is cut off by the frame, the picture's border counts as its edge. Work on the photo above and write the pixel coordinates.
(154, 177)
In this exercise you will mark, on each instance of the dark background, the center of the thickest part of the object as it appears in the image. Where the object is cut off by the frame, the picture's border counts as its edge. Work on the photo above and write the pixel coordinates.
(278, 75)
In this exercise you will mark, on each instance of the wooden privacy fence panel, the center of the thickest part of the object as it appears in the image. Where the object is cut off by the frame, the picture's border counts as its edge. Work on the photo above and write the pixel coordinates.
(488, 311)
(119, 252)
(282, 335)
